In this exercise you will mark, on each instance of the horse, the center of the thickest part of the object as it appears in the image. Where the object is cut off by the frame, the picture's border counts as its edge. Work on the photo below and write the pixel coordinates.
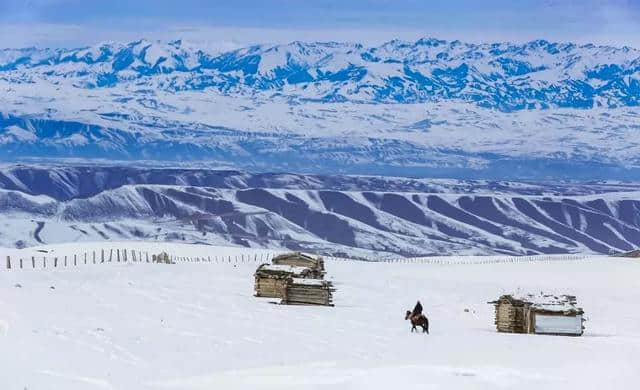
(418, 320)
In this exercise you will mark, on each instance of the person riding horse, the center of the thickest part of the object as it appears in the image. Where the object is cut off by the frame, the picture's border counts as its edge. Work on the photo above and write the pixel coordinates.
(417, 318)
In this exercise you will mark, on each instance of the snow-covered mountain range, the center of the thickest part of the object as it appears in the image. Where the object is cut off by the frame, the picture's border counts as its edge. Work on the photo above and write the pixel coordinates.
(340, 215)
(430, 107)
(508, 77)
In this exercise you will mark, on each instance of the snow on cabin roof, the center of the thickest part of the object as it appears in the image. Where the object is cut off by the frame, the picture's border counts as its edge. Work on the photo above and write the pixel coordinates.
(295, 255)
(283, 268)
(309, 282)
(546, 302)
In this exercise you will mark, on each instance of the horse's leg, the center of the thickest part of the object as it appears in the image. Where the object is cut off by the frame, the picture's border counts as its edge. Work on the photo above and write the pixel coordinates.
(426, 325)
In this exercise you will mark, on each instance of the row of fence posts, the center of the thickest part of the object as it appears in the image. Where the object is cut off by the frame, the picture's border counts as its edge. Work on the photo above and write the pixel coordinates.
(478, 260)
(124, 256)
(121, 255)
(242, 258)
(118, 255)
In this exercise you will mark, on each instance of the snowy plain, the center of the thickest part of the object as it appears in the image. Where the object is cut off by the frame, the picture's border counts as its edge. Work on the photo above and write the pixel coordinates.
(198, 326)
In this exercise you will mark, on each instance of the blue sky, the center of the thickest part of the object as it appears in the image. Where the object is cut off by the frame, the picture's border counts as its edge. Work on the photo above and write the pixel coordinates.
(239, 22)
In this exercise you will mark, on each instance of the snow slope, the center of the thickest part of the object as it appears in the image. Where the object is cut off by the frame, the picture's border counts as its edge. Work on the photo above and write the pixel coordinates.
(354, 215)
(197, 326)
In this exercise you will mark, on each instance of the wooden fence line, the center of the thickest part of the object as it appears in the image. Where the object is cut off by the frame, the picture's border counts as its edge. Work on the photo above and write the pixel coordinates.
(452, 260)
(93, 257)
(131, 255)
(125, 255)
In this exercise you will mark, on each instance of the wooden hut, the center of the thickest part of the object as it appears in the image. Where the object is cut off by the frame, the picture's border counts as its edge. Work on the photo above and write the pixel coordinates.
(539, 314)
(308, 292)
(270, 279)
(301, 260)
(162, 258)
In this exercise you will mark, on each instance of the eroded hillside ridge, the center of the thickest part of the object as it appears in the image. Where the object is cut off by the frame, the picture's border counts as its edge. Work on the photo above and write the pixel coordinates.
(329, 214)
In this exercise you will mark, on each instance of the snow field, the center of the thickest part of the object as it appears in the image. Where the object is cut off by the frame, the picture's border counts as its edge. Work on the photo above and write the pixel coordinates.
(197, 326)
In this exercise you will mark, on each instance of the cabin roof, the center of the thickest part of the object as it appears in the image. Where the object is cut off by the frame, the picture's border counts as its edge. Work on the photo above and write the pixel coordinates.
(543, 302)
(298, 255)
(309, 282)
(283, 268)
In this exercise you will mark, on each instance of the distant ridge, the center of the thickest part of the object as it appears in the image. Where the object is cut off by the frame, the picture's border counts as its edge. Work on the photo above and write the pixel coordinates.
(503, 76)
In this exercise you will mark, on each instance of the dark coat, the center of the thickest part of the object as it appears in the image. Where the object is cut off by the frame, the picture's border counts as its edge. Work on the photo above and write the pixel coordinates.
(417, 310)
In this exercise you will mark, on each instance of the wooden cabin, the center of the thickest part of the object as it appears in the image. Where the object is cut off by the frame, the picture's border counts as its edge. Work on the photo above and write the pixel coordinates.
(308, 292)
(270, 279)
(162, 258)
(539, 314)
(301, 260)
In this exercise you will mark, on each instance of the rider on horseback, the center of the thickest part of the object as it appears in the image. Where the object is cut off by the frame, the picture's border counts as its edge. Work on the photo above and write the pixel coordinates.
(417, 318)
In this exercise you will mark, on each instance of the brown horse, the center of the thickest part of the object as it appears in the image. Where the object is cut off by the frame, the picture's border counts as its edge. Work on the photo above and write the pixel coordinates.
(418, 320)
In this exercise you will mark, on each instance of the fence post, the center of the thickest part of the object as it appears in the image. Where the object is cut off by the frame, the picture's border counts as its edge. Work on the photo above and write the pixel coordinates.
(21, 263)
(94, 256)
(133, 255)
(75, 259)
(118, 253)
(147, 255)
(124, 252)
(110, 255)
(8, 262)
(102, 255)
(55, 262)
(33, 261)
(85, 257)
(65, 261)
